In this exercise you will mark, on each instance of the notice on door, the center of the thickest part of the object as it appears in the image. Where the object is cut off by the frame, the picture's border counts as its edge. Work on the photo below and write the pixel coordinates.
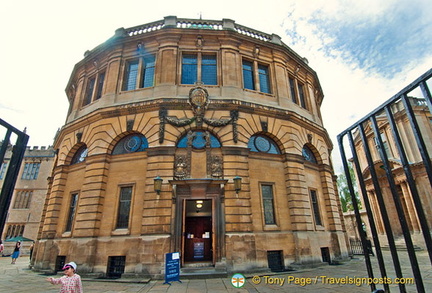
(198, 250)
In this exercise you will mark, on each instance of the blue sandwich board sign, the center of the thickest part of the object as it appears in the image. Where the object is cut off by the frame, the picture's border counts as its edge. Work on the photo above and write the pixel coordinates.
(172, 267)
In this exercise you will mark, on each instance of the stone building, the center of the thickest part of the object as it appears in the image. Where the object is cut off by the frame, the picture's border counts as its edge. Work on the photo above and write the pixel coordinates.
(29, 195)
(194, 136)
(423, 117)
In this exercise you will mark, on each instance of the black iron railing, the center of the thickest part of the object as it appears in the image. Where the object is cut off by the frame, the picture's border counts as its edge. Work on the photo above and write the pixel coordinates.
(18, 150)
(377, 169)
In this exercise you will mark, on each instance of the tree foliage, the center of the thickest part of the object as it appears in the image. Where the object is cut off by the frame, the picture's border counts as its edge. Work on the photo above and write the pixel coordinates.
(344, 193)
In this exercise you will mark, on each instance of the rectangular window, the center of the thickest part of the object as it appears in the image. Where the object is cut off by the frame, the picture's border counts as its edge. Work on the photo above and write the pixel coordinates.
(248, 76)
(292, 90)
(14, 230)
(189, 69)
(72, 212)
(301, 95)
(31, 171)
(22, 199)
(3, 170)
(100, 83)
(131, 76)
(385, 144)
(268, 204)
(315, 207)
(139, 73)
(89, 91)
(148, 71)
(199, 68)
(124, 207)
(209, 69)
(264, 79)
(252, 72)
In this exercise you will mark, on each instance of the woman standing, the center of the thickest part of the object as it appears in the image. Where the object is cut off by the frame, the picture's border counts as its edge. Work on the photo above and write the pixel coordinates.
(16, 252)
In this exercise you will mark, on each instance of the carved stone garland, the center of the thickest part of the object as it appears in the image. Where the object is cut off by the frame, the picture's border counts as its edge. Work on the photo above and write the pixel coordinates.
(198, 99)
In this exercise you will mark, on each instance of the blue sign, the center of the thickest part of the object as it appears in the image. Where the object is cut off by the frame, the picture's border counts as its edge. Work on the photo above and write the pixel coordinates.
(172, 267)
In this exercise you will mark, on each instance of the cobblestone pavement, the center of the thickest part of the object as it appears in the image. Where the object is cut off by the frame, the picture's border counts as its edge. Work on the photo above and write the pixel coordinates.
(323, 279)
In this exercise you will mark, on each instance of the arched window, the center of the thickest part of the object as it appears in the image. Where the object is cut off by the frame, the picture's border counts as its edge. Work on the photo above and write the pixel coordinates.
(80, 155)
(263, 144)
(198, 139)
(131, 144)
(308, 155)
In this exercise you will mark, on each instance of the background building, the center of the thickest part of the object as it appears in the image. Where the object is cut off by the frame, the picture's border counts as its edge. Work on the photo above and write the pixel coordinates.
(194, 136)
(29, 195)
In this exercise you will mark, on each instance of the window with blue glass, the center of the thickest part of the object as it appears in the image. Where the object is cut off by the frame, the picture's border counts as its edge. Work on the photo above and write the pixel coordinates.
(131, 144)
(148, 71)
(199, 67)
(131, 75)
(248, 76)
(263, 144)
(254, 71)
(139, 73)
(189, 69)
(264, 80)
(209, 70)
(308, 155)
(198, 139)
(3, 170)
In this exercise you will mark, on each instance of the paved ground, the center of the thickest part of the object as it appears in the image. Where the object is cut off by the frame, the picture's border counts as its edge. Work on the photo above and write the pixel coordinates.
(19, 278)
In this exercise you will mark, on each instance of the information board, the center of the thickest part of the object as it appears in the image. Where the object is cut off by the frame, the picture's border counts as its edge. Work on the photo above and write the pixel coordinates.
(198, 250)
(172, 267)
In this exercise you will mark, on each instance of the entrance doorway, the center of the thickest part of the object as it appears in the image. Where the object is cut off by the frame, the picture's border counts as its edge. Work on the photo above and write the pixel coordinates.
(198, 231)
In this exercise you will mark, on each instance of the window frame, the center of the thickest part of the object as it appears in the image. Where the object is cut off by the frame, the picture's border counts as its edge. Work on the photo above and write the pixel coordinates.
(14, 230)
(257, 77)
(298, 91)
(264, 203)
(72, 211)
(315, 208)
(199, 68)
(3, 169)
(119, 206)
(94, 88)
(144, 64)
(23, 198)
(31, 173)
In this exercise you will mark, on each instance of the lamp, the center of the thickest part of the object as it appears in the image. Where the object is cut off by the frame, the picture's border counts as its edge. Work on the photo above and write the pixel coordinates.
(237, 184)
(199, 205)
(157, 184)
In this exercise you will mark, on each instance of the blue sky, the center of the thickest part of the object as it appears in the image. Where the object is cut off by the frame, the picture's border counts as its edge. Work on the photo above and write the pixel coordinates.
(364, 52)
(384, 41)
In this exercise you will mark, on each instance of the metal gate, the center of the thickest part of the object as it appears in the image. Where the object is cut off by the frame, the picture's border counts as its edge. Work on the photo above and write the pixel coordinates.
(18, 150)
(389, 149)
